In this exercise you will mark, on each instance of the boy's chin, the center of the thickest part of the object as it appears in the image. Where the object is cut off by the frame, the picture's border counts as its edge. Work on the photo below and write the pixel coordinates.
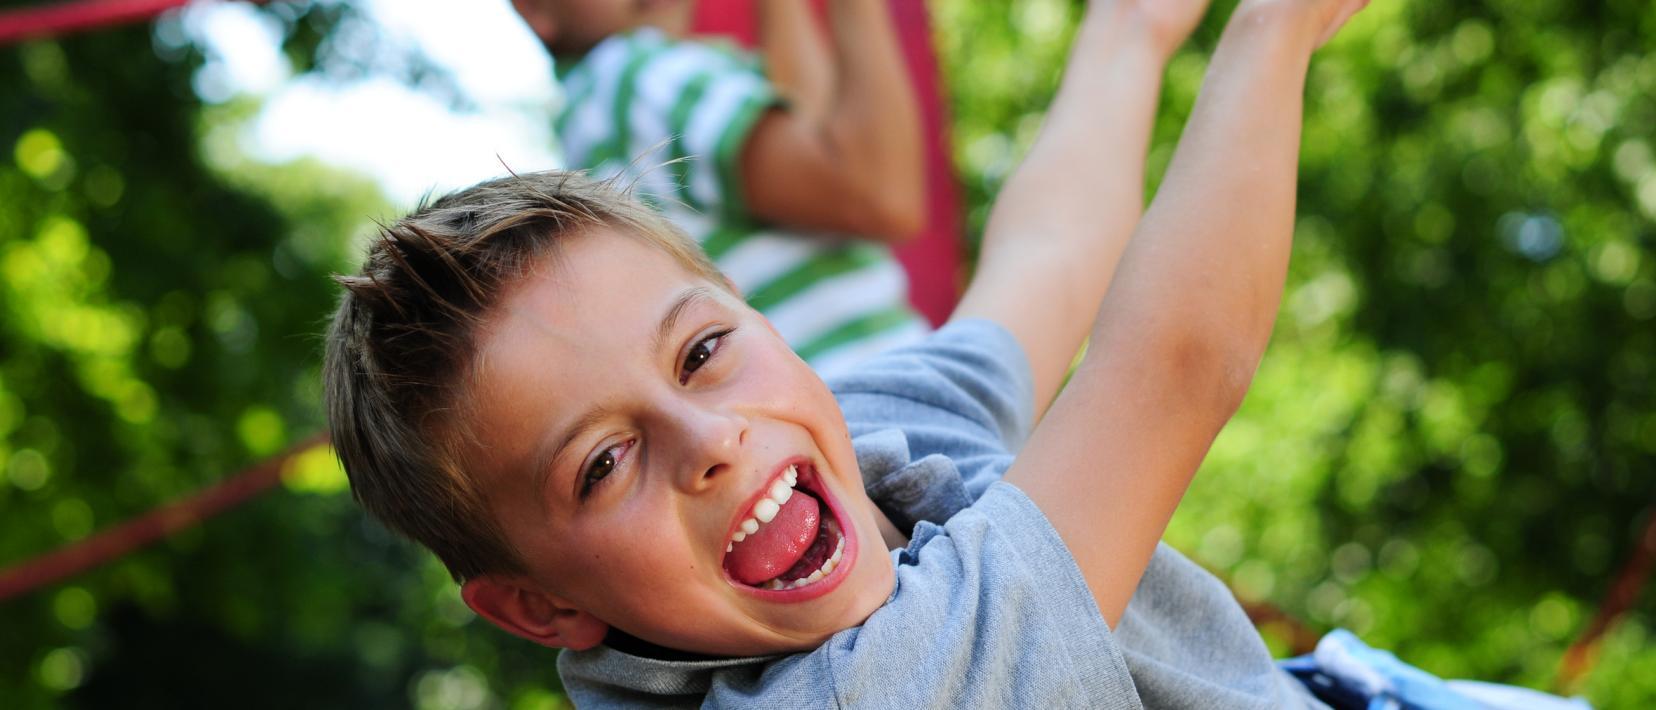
(863, 592)
(848, 607)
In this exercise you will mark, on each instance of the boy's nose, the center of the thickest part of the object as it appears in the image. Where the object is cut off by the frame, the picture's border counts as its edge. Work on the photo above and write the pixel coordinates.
(712, 442)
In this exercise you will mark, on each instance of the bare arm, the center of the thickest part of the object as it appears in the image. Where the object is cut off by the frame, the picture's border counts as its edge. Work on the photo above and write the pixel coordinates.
(1060, 223)
(1185, 322)
(798, 61)
(855, 164)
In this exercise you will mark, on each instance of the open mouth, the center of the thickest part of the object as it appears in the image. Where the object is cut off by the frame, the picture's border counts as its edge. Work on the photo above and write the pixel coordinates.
(791, 537)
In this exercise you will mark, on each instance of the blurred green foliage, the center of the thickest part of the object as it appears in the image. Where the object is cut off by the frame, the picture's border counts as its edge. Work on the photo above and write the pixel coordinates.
(161, 303)
(1449, 446)
(1447, 449)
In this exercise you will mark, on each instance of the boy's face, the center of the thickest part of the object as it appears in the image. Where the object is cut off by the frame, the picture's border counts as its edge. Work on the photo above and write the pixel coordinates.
(574, 26)
(630, 419)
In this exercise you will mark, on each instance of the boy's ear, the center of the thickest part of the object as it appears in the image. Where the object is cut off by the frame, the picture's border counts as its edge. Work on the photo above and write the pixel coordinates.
(532, 614)
(539, 17)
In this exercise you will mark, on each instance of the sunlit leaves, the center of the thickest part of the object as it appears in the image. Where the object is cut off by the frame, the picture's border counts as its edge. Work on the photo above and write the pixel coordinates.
(1449, 444)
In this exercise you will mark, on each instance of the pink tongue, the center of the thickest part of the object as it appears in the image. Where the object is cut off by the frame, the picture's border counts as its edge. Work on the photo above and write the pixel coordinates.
(778, 544)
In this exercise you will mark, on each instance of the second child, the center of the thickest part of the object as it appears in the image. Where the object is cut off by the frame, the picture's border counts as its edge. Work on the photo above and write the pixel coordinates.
(795, 170)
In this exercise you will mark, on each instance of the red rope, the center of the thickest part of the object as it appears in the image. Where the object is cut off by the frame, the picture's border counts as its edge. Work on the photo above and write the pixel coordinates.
(112, 543)
(1301, 638)
(77, 15)
(1624, 592)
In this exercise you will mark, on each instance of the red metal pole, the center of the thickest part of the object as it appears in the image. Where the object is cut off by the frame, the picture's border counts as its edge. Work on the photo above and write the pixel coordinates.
(1623, 595)
(113, 543)
(77, 15)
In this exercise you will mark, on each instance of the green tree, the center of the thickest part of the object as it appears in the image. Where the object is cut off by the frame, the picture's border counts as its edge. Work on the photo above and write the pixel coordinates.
(161, 300)
(1448, 447)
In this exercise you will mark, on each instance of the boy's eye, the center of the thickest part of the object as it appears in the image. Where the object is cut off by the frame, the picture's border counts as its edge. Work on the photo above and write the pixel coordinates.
(699, 354)
(601, 467)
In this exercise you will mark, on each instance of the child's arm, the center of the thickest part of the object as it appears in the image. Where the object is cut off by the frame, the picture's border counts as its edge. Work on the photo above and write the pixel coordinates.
(1061, 221)
(1181, 330)
(851, 163)
(798, 61)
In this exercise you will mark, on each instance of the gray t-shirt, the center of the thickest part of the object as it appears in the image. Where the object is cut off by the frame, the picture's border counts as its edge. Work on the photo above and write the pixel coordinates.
(989, 609)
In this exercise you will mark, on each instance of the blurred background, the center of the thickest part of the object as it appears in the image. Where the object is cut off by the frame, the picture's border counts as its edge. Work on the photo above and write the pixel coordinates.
(1449, 448)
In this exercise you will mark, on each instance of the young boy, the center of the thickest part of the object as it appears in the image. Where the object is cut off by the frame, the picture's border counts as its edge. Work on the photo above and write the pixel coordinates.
(795, 179)
(551, 389)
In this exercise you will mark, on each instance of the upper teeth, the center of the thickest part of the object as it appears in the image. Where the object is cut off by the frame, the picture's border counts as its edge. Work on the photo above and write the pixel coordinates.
(765, 509)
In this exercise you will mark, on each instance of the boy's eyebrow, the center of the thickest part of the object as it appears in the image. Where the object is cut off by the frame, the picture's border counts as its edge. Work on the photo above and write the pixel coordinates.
(587, 421)
(680, 305)
(592, 416)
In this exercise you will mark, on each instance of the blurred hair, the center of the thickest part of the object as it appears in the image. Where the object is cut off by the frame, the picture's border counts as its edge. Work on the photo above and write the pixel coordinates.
(404, 337)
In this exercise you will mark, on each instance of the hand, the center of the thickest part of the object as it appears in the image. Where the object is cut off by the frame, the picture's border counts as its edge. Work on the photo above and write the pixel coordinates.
(1343, 10)
(1168, 23)
(1323, 18)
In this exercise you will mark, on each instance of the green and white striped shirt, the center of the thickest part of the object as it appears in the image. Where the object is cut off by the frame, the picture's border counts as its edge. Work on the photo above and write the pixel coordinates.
(640, 100)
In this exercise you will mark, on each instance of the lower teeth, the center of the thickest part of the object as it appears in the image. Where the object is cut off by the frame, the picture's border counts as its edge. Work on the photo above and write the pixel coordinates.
(826, 569)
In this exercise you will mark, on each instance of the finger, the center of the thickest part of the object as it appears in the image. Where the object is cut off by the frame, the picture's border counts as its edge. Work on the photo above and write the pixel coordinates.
(1347, 11)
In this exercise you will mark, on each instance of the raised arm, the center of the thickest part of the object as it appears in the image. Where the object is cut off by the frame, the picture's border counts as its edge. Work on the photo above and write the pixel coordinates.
(1061, 221)
(847, 159)
(1186, 320)
(798, 60)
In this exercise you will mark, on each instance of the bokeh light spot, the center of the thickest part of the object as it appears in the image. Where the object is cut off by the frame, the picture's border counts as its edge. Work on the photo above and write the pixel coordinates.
(459, 688)
(1632, 160)
(261, 430)
(1399, 558)
(1254, 579)
(1537, 237)
(104, 186)
(538, 699)
(1473, 41)
(1640, 299)
(62, 240)
(28, 470)
(170, 347)
(1615, 262)
(40, 154)
(11, 412)
(62, 669)
(1552, 618)
(72, 518)
(1647, 195)
(1478, 566)
(136, 402)
(1481, 455)
(316, 470)
(75, 608)
(1350, 562)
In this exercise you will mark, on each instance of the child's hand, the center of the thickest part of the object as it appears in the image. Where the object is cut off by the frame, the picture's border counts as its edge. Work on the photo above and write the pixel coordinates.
(1324, 18)
(1166, 22)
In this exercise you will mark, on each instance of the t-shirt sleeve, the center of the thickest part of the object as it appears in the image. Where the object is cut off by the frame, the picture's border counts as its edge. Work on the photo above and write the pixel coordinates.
(688, 109)
(964, 392)
(989, 610)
